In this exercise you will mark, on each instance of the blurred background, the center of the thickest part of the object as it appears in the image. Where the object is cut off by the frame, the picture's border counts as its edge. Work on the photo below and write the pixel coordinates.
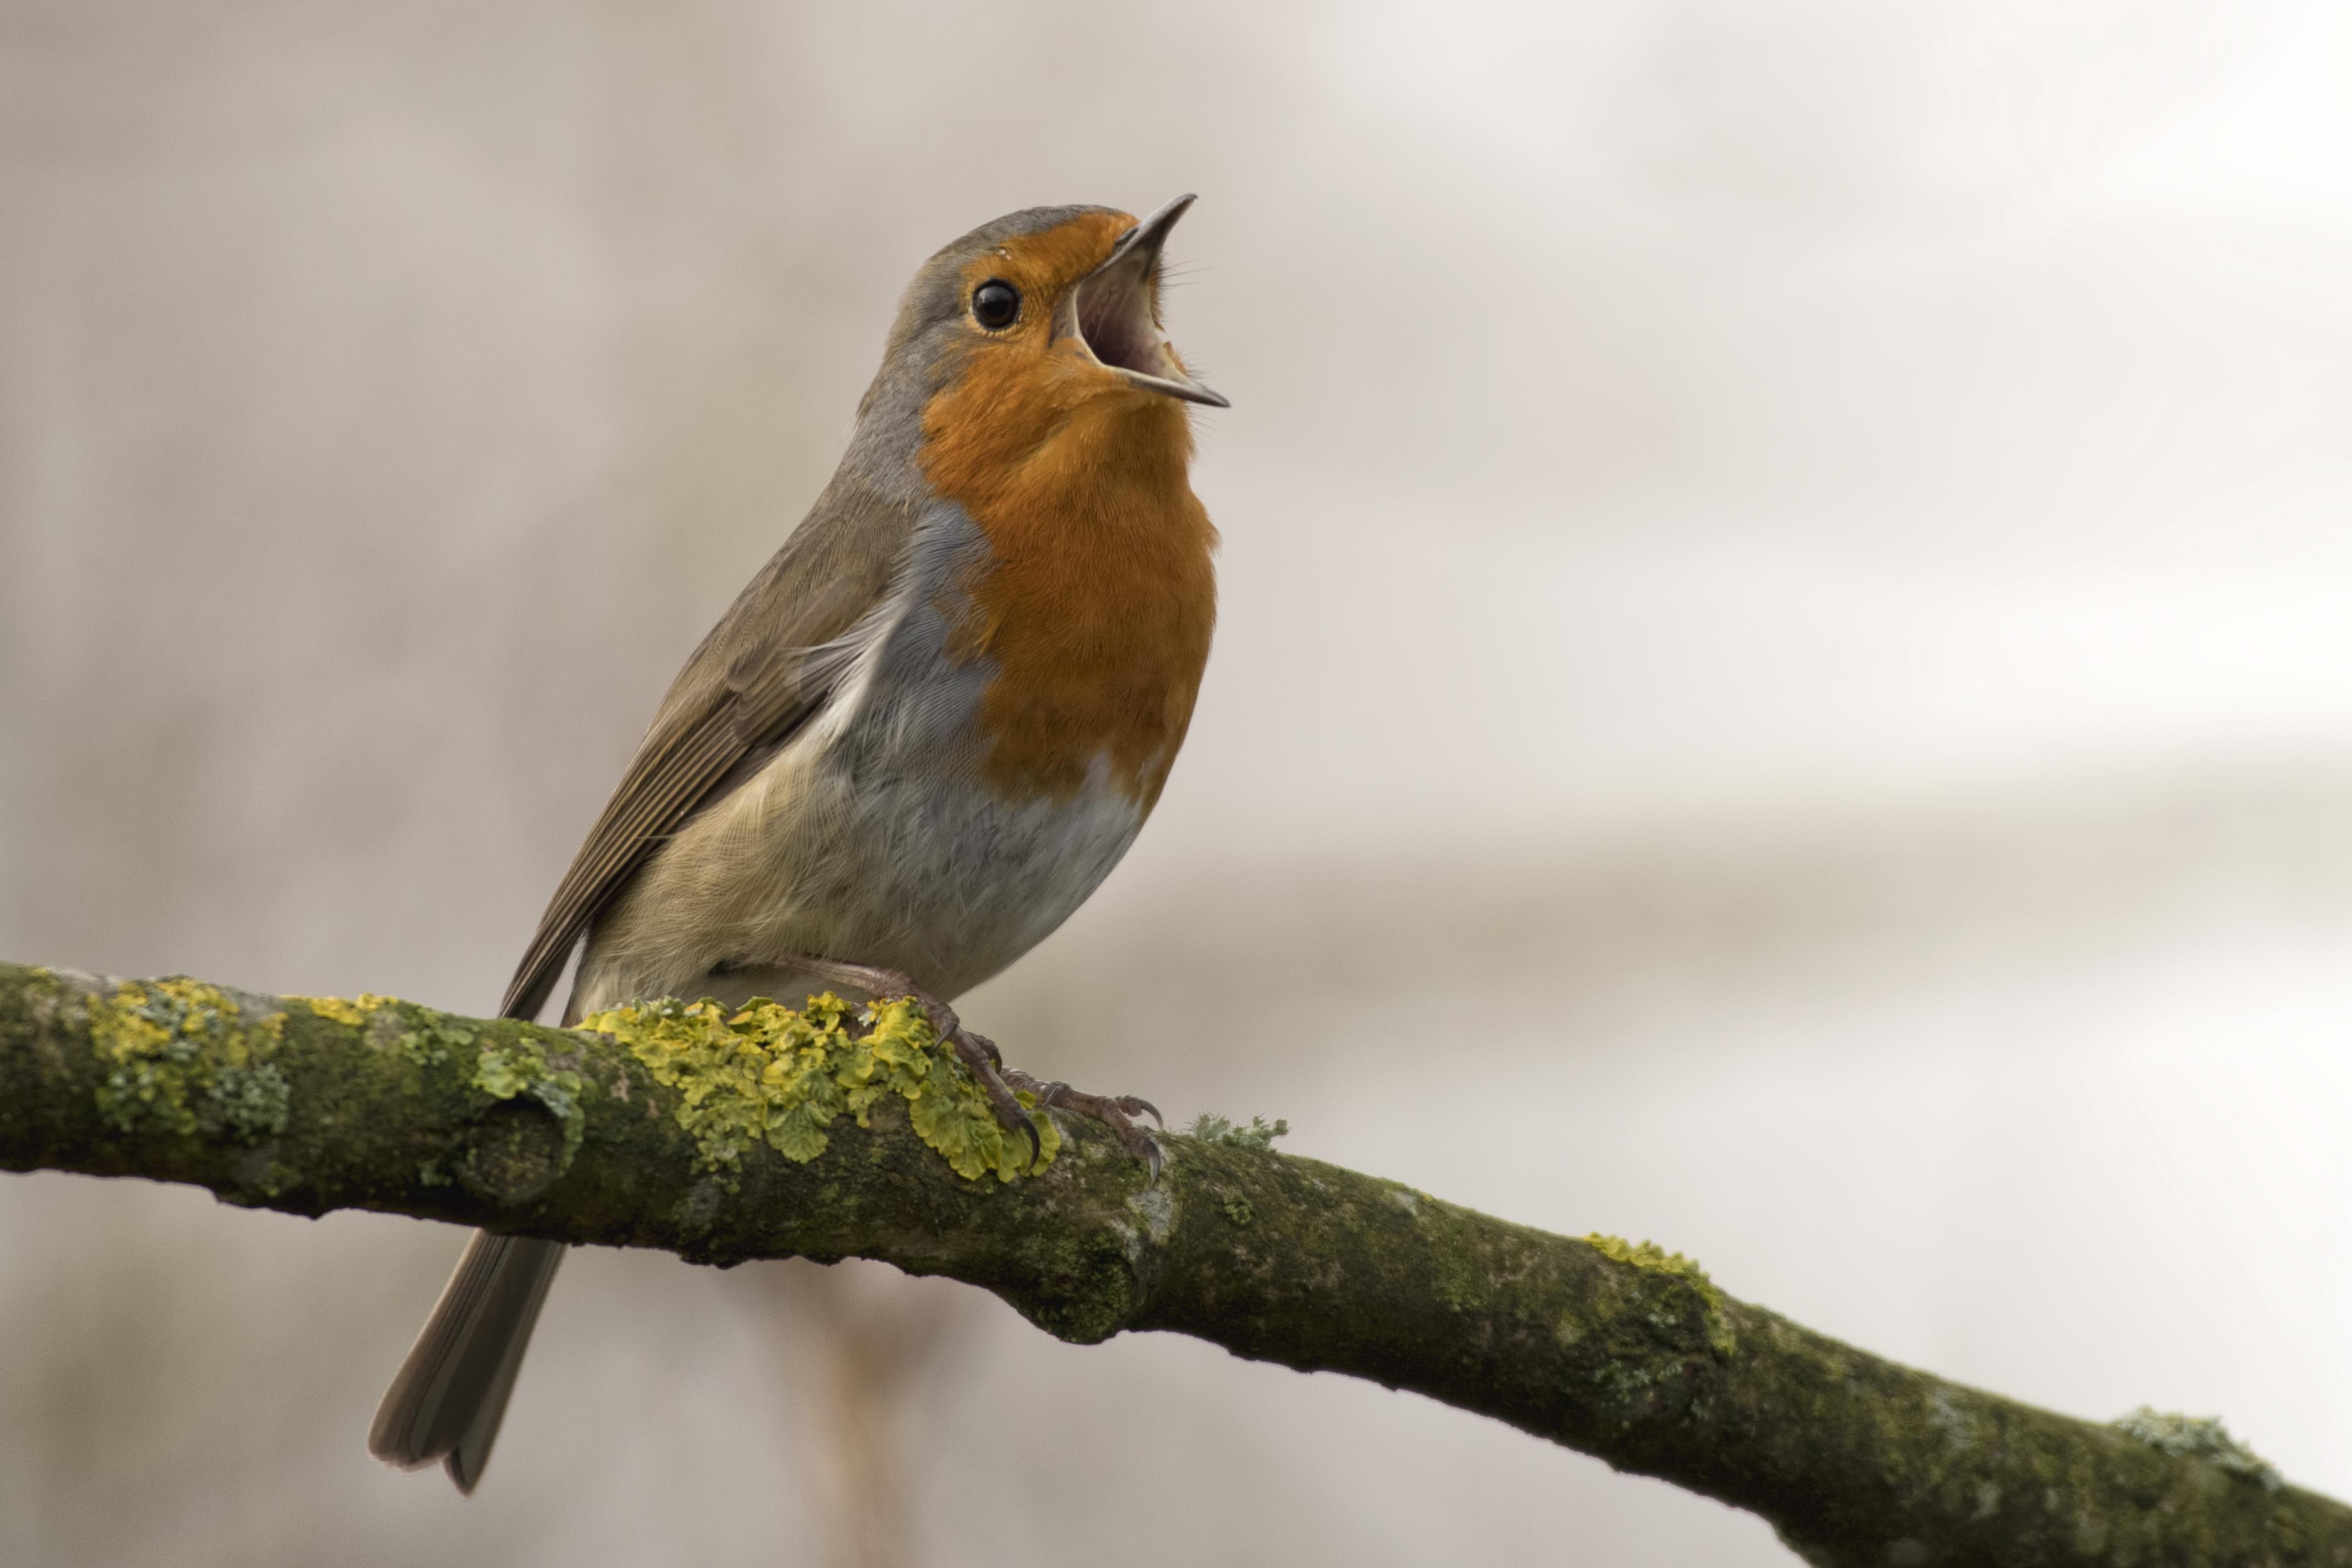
(1784, 687)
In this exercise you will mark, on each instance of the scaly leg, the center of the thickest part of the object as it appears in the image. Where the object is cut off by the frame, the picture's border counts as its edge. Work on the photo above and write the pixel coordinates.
(1113, 1111)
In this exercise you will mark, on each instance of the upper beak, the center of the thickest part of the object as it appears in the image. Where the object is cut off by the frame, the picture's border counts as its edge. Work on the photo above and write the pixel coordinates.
(1110, 312)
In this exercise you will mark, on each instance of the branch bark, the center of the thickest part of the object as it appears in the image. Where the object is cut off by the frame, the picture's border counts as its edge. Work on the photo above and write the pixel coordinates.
(1619, 1351)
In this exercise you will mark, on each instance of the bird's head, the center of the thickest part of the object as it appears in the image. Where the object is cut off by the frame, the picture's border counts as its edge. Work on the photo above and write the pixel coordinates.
(1065, 295)
(1037, 332)
(1030, 351)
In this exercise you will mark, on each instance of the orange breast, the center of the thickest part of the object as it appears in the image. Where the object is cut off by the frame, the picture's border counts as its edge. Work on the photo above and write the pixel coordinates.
(1100, 598)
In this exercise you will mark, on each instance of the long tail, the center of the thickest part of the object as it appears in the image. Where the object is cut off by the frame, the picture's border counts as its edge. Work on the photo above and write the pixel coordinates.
(450, 1393)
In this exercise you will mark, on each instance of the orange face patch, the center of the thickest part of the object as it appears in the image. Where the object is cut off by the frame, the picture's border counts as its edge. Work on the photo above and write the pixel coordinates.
(1099, 599)
(1044, 267)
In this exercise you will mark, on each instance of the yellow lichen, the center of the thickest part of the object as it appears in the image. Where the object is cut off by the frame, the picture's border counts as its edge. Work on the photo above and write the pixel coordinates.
(769, 1074)
(176, 1045)
(1649, 1255)
(353, 1013)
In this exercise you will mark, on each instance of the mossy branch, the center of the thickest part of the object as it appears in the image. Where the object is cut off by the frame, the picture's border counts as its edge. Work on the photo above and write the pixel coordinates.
(668, 1132)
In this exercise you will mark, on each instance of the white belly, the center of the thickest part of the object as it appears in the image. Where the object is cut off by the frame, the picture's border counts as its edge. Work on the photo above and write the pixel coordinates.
(858, 858)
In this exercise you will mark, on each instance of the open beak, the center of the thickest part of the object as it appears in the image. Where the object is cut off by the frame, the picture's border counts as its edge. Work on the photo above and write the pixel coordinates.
(1110, 312)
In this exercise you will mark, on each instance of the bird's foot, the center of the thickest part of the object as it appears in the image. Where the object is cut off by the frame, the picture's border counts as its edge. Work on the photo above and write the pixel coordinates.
(1117, 1111)
(977, 1052)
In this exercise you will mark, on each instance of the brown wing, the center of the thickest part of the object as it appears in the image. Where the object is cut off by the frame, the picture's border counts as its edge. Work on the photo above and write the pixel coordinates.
(763, 671)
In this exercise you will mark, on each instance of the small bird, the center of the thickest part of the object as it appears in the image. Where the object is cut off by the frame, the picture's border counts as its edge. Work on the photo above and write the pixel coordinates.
(918, 740)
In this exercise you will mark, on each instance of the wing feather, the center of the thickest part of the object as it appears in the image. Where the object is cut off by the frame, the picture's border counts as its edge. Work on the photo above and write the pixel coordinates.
(768, 665)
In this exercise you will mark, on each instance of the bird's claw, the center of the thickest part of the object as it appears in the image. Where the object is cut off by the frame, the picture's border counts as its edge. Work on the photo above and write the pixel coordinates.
(995, 1057)
(979, 1055)
(1114, 1112)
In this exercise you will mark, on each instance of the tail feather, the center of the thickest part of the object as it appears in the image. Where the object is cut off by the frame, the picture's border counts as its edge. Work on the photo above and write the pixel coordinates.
(451, 1393)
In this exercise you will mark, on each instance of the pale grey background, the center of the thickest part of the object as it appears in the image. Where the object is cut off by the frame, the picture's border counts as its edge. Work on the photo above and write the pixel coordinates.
(1784, 687)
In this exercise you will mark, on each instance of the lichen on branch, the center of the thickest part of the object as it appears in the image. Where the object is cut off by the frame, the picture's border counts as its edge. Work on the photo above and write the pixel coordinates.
(764, 1131)
(768, 1073)
(183, 1055)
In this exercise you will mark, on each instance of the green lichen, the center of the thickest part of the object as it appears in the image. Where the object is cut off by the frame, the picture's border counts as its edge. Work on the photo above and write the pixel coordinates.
(1649, 1255)
(521, 1067)
(434, 1038)
(254, 1098)
(181, 1054)
(2200, 1436)
(1215, 1129)
(769, 1074)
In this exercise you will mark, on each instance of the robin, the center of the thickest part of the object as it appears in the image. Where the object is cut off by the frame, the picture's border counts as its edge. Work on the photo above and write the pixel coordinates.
(918, 740)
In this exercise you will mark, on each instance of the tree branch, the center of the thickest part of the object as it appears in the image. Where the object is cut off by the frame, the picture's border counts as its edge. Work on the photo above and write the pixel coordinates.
(1620, 1352)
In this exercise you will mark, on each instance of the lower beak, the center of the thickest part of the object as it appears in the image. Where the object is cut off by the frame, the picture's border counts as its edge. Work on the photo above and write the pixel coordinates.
(1113, 312)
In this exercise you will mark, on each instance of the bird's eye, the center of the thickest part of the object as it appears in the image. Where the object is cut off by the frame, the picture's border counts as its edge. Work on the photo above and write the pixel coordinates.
(995, 304)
